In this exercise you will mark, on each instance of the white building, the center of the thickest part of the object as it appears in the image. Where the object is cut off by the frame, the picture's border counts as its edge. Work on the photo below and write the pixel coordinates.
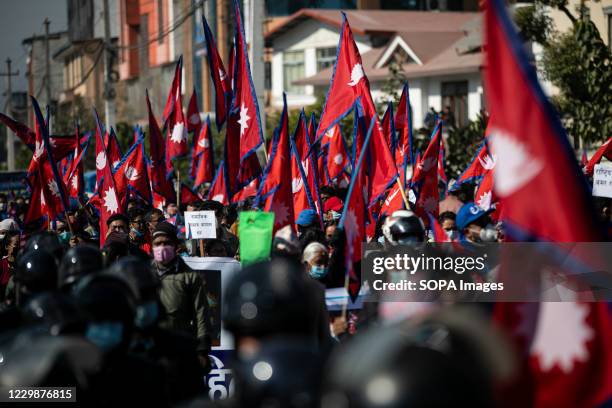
(442, 51)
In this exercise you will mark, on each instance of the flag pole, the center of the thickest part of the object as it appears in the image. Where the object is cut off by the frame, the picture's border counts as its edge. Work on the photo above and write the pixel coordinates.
(401, 189)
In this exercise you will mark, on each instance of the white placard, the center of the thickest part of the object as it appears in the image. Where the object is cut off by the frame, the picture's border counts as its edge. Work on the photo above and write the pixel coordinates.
(602, 180)
(200, 224)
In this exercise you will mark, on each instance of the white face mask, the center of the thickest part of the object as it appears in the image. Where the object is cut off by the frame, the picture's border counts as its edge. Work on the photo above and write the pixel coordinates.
(488, 234)
(451, 234)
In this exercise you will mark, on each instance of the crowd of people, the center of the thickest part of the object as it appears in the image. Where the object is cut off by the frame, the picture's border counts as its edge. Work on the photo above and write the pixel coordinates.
(130, 321)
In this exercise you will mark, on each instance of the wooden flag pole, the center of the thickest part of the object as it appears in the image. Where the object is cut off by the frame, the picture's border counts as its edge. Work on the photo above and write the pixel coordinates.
(401, 188)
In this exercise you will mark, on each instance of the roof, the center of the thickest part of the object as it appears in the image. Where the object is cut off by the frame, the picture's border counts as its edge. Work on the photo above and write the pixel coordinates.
(438, 43)
(377, 21)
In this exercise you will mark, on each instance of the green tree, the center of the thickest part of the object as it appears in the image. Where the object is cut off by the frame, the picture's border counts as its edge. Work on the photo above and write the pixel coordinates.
(578, 64)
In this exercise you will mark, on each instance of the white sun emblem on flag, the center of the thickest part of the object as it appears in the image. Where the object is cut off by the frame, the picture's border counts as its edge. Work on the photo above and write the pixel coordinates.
(131, 173)
(561, 335)
(338, 159)
(281, 213)
(484, 201)
(110, 201)
(516, 166)
(356, 74)
(427, 164)
(53, 188)
(244, 118)
(178, 133)
(296, 185)
(218, 197)
(101, 161)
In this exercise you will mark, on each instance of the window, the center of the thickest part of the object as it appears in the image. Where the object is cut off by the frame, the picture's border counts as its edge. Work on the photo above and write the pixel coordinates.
(454, 103)
(325, 58)
(293, 69)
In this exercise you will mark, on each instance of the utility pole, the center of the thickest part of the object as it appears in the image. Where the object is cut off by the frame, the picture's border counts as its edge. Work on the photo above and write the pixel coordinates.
(10, 137)
(109, 92)
(48, 69)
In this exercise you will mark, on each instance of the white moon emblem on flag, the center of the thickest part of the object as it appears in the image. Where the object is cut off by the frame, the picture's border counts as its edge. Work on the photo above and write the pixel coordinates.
(131, 173)
(116, 163)
(356, 74)
(427, 164)
(330, 132)
(218, 197)
(489, 162)
(38, 150)
(203, 143)
(101, 161)
(53, 188)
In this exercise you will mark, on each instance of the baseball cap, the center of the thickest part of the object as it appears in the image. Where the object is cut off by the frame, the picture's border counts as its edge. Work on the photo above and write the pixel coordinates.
(468, 213)
(307, 217)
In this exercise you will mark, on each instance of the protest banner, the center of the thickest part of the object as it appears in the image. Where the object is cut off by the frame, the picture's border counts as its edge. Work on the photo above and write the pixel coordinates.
(200, 225)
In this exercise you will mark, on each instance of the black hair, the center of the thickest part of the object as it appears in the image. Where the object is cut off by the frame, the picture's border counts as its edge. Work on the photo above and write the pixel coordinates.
(447, 215)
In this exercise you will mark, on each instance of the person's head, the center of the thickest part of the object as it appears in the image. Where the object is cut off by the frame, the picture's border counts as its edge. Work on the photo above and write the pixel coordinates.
(403, 227)
(333, 208)
(230, 215)
(109, 305)
(171, 209)
(326, 192)
(8, 225)
(315, 258)
(46, 241)
(35, 272)
(117, 223)
(329, 231)
(78, 262)
(475, 224)
(12, 243)
(137, 223)
(215, 247)
(154, 217)
(307, 219)
(164, 243)
(448, 223)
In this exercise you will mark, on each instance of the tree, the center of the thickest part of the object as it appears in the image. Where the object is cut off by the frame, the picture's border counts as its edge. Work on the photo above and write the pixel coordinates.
(578, 64)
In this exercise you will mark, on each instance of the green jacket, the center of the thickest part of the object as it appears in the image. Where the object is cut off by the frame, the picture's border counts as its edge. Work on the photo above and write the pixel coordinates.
(183, 296)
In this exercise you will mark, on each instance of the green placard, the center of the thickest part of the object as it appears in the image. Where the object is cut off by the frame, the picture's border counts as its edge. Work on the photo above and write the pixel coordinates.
(255, 232)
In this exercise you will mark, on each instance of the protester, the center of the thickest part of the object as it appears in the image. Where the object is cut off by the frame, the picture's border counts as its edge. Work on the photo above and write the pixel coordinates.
(474, 224)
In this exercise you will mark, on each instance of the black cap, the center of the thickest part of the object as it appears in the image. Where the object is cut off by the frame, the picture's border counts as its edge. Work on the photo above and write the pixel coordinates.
(116, 217)
(165, 228)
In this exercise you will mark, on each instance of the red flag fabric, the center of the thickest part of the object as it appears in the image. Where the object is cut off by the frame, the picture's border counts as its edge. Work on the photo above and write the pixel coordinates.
(388, 127)
(481, 163)
(193, 114)
(305, 152)
(107, 192)
(188, 196)
(219, 76)
(218, 189)
(113, 151)
(337, 154)
(202, 166)
(302, 198)
(353, 218)
(157, 151)
(248, 191)
(441, 159)
(245, 102)
(604, 151)
(43, 171)
(174, 121)
(74, 177)
(131, 175)
(439, 235)
(426, 178)
(394, 200)
(275, 192)
(403, 131)
(348, 85)
(536, 161)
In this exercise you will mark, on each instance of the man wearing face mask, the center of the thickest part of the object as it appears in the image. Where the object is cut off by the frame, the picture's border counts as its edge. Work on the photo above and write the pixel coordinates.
(138, 230)
(447, 221)
(182, 292)
(315, 258)
(475, 225)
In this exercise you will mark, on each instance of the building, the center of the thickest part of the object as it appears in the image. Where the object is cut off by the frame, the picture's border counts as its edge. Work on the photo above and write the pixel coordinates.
(440, 55)
(44, 89)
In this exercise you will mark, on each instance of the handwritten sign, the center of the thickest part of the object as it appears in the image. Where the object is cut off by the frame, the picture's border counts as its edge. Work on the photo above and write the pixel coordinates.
(602, 180)
(200, 224)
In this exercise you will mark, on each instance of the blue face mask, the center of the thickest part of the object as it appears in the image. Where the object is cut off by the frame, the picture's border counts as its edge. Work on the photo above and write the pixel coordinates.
(318, 271)
(136, 233)
(146, 314)
(105, 335)
(64, 237)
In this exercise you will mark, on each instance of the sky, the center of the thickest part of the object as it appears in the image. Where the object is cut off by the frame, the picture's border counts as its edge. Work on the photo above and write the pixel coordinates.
(21, 19)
